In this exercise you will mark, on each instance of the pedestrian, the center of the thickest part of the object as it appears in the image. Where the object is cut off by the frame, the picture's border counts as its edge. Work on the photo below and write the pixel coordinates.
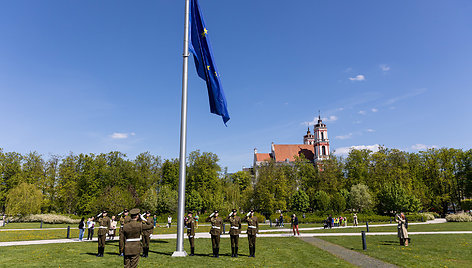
(125, 218)
(155, 220)
(196, 220)
(215, 231)
(112, 230)
(169, 221)
(190, 223)
(355, 219)
(81, 229)
(147, 233)
(252, 230)
(103, 227)
(281, 220)
(132, 232)
(295, 224)
(402, 232)
(235, 230)
(330, 221)
(90, 226)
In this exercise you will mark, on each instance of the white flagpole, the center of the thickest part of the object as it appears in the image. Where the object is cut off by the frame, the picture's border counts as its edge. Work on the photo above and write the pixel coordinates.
(179, 252)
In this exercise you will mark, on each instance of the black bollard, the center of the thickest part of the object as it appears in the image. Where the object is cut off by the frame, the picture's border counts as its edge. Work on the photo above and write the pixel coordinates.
(364, 243)
(41, 226)
(422, 218)
(224, 230)
(367, 225)
(68, 231)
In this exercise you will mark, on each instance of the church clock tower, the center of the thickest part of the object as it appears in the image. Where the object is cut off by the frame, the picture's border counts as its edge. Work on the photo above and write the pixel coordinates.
(321, 142)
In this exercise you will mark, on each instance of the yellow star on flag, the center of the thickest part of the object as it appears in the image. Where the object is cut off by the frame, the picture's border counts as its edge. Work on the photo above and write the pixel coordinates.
(205, 32)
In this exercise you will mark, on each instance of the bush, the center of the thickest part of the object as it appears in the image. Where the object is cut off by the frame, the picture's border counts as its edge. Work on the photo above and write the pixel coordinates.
(46, 218)
(459, 217)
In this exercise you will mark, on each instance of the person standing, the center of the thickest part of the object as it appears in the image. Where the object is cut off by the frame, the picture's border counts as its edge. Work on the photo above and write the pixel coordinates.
(402, 232)
(147, 233)
(190, 223)
(103, 226)
(132, 232)
(330, 221)
(90, 226)
(112, 230)
(295, 224)
(235, 230)
(155, 220)
(355, 219)
(215, 231)
(196, 220)
(252, 230)
(81, 229)
(169, 221)
(125, 218)
(281, 220)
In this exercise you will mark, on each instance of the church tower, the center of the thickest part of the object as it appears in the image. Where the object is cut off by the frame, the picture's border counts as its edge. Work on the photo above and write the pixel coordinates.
(321, 142)
(309, 138)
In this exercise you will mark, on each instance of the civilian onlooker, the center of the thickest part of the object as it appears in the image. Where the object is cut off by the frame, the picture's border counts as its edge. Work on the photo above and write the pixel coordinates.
(112, 230)
(196, 220)
(281, 220)
(81, 229)
(330, 221)
(154, 218)
(295, 224)
(169, 221)
(355, 219)
(402, 232)
(90, 226)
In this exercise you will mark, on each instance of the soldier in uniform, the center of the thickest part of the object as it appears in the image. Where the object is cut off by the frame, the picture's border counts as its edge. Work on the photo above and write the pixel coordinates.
(125, 218)
(190, 223)
(104, 225)
(252, 230)
(215, 231)
(147, 234)
(235, 230)
(132, 232)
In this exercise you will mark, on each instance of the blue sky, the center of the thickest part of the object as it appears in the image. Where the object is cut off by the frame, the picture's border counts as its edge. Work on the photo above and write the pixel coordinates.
(97, 76)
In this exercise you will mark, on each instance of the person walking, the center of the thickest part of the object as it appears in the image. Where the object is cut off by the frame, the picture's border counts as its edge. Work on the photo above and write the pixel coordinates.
(132, 232)
(402, 231)
(112, 230)
(103, 227)
(252, 230)
(147, 233)
(215, 231)
(81, 229)
(295, 224)
(355, 219)
(125, 218)
(190, 223)
(169, 221)
(90, 226)
(235, 230)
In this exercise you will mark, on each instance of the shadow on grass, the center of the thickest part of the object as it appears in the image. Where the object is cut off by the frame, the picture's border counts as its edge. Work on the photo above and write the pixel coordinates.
(161, 253)
(158, 242)
(388, 243)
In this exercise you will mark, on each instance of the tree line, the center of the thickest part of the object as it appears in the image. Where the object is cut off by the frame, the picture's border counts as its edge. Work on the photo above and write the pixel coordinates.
(383, 181)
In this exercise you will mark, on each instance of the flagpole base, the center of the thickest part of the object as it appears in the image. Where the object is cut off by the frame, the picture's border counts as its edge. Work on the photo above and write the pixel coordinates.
(179, 254)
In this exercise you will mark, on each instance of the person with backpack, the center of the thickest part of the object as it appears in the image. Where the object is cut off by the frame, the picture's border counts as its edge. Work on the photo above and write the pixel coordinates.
(81, 229)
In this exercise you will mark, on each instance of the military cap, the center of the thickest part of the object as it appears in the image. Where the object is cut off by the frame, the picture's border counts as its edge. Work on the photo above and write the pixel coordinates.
(104, 211)
(235, 210)
(252, 210)
(216, 211)
(126, 210)
(134, 211)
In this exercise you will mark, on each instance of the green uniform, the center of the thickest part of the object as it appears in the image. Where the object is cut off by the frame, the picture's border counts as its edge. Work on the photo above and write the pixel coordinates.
(252, 230)
(234, 231)
(132, 232)
(123, 221)
(215, 231)
(104, 225)
(147, 236)
(190, 223)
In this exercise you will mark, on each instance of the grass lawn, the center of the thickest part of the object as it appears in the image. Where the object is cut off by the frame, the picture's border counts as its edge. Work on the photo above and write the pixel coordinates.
(34, 225)
(270, 252)
(448, 226)
(424, 250)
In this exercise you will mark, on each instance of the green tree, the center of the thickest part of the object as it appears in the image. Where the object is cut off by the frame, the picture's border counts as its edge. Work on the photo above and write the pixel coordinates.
(114, 199)
(338, 203)
(241, 178)
(193, 201)
(149, 200)
(24, 199)
(321, 201)
(167, 200)
(300, 201)
(360, 197)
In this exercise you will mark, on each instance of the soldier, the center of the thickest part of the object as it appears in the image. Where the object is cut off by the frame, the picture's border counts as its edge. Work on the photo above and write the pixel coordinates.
(132, 232)
(190, 223)
(235, 230)
(252, 230)
(104, 225)
(215, 231)
(147, 234)
(125, 218)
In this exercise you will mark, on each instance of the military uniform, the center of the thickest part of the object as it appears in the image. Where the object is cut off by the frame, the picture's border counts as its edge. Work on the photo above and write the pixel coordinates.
(235, 230)
(132, 232)
(252, 230)
(123, 220)
(190, 223)
(215, 231)
(104, 224)
(147, 235)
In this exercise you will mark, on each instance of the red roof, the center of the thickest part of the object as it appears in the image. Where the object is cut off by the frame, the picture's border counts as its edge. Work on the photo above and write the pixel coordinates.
(283, 152)
(262, 157)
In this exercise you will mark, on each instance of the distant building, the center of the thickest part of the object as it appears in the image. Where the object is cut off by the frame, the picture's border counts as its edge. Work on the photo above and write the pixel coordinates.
(315, 148)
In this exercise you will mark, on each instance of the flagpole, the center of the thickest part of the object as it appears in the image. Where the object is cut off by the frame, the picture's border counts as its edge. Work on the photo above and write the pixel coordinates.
(179, 252)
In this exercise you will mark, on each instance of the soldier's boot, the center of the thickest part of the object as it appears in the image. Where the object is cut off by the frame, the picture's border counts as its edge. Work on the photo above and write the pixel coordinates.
(232, 251)
(144, 253)
(254, 251)
(214, 253)
(217, 252)
(236, 252)
(192, 251)
(98, 251)
(103, 251)
(250, 251)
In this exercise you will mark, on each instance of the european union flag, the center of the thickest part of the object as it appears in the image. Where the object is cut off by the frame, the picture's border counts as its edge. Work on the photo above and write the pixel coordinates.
(206, 68)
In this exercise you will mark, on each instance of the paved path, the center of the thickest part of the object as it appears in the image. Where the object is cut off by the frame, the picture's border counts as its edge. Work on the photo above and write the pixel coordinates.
(348, 255)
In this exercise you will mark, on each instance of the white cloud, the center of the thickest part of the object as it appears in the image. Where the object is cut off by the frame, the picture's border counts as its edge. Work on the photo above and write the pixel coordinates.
(357, 122)
(358, 77)
(120, 136)
(422, 147)
(374, 110)
(370, 130)
(362, 112)
(384, 67)
(344, 137)
(346, 150)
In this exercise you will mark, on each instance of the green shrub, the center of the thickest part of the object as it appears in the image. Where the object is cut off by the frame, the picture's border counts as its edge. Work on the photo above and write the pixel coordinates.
(459, 217)
(46, 218)
(466, 204)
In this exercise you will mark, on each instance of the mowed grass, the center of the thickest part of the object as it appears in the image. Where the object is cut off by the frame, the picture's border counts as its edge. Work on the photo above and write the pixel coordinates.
(448, 226)
(35, 225)
(270, 252)
(424, 250)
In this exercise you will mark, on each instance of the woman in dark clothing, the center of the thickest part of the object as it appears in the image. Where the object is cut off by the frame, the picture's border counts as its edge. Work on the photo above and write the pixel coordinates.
(295, 224)
(81, 229)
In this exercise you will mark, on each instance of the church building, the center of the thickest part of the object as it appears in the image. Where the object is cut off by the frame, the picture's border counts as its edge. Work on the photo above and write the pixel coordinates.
(315, 148)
